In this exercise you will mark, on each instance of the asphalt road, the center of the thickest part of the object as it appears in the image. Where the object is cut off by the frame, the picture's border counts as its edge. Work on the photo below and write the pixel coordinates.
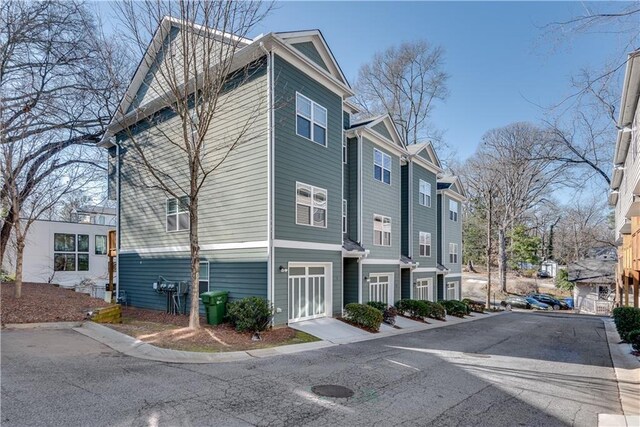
(508, 370)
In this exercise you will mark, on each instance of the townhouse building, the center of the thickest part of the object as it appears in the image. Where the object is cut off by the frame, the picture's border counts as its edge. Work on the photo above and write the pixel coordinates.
(625, 187)
(308, 214)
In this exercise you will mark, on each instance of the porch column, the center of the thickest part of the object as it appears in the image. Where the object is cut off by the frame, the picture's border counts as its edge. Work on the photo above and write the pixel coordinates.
(636, 288)
(625, 301)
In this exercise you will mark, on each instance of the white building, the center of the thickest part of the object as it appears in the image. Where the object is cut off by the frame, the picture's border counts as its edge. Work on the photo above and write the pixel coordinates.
(100, 215)
(64, 253)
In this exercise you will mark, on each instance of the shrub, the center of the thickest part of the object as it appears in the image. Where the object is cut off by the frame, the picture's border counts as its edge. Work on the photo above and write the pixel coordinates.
(562, 281)
(421, 309)
(475, 306)
(436, 310)
(378, 305)
(455, 308)
(634, 339)
(250, 314)
(627, 319)
(364, 315)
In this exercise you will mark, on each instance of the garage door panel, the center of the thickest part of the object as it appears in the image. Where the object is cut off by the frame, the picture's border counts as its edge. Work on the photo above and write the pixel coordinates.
(307, 287)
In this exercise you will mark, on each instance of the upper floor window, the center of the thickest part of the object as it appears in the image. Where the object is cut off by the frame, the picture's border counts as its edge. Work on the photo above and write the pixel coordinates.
(344, 216)
(101, 245)
(453, 253)
(381, 230)
(311, 120)
(425, 194)
(453, 210)
(425, 244)
(178, 214)
(311, 205)
(381, 166)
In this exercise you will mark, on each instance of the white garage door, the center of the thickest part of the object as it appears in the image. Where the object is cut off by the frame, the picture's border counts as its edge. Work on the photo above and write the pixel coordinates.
(307, 297)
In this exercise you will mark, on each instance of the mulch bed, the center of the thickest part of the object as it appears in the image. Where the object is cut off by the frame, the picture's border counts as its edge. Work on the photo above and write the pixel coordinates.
(170, 331)
(42, 302)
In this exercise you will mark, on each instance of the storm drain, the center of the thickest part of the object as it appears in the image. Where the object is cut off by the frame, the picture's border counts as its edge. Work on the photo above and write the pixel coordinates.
(331, 390)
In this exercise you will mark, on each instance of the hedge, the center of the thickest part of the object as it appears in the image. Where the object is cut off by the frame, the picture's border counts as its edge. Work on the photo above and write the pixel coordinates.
(378, 305)
(421, 309)
(627, 319)
(250, 314)
(364, 315)
(455, 308)
(474, 306)
(634, 339)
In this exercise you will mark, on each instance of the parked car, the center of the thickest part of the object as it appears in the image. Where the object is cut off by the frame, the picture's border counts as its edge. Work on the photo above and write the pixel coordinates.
(516, 301)
(554, 303)
(543, 274)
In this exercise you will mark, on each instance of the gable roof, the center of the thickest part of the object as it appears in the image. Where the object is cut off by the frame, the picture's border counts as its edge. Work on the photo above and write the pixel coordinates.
(391, 137)
(249, 50)
(452, 183)
(425, 153)
(592, 271)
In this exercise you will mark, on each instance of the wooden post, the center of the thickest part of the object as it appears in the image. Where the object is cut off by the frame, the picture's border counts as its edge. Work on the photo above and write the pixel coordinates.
(625, 301)
(111, 251)
(636, 289)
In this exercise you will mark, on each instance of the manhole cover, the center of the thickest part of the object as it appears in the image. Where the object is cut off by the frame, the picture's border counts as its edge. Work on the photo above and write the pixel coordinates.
(330, 390)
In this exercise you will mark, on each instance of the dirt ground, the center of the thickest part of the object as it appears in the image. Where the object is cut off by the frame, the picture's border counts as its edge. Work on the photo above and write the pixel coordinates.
(169, 331)
(42, 302)
(474, 286)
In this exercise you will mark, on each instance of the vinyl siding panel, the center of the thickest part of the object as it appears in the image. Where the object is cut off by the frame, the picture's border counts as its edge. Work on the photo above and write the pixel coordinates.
(352, 195)
(424, 218)
(380, 198)
(283, 256)
(440, 250)
(381, 128)
(233, 200)
(404, 209)
(310, 51)
(298, 159)
(452, 234)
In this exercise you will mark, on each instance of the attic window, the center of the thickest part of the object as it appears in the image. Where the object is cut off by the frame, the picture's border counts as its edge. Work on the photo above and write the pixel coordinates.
(311, 120)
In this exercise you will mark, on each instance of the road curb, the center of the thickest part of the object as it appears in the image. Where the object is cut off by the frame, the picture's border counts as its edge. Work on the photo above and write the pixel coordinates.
(44, 325)
(627, 370)
(135, 348)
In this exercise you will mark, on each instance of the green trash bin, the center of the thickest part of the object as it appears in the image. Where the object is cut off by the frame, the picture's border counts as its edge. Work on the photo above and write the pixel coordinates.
(215, 304)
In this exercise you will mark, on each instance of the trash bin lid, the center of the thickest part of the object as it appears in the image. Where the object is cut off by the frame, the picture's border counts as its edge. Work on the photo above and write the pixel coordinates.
(218, 293)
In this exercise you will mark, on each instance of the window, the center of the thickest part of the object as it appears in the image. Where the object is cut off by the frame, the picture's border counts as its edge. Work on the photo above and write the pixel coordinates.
(311, 120)
(453, 210)
(451, 290)
(425, 244)
(344, 216)
(379, 288)
(453, 253)
(311, 205)
(178, 214)
(381, 230)
(70, 252)
(101, 245)
(101, 220)
(425, 194)
(424, 289)
(381, 166)
(344, 151)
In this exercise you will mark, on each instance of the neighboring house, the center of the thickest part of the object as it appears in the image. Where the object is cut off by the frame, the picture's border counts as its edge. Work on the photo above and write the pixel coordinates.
(451, 195)
(308, 215)
(64, 253)
(549, 266)
(100, 215)
(625, 187)
(594, 289)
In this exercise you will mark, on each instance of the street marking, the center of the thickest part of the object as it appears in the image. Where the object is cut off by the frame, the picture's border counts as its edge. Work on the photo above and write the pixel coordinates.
(402, 364)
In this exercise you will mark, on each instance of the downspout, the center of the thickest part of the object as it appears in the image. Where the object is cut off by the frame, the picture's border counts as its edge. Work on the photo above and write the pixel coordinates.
(118, 220)
(270, 254)
(360, 238)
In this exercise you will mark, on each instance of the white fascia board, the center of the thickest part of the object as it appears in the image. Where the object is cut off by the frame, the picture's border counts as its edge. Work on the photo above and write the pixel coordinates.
(370, 261)
(350, 107)
(425, 164)
(453, 195)
(293, 244)
(616, 179)
(630, 92)
(381, 141)
(211, 247)
(622, 146)
(452, 275)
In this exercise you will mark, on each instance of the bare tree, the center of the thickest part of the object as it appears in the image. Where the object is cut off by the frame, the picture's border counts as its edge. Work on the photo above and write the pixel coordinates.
(196, 72)
(56, 98)
(405, 81)
(523, 161)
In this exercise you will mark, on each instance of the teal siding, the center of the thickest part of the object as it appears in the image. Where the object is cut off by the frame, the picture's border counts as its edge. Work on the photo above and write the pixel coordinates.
(440, 246)
(452, 233)
(381, 128)
(138, 272)
(283, 256)
(350, 280)
(404, 209)
(424, 218)
(380, 198)
(310, 51)
(298, 159)
(368, 269)
(233, 200)
(352, 195)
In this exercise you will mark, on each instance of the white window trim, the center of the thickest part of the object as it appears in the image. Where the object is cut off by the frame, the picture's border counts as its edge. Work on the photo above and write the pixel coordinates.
(390, 285)
(177, 214)
(344, 216)
(425, 283)
(427, 195)
(455, 291)
(344, 150)
(453, 250)
(381, 166)
(420, 244)
(326, 208)
(75, 253)
(312, 119)
(383, 231)
(453, 217)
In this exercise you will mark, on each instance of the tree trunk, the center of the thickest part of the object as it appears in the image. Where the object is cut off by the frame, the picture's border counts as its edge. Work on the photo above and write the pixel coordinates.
(19, 257)
(5, 234)
(194, 313)
(502, 242)
(489, 252)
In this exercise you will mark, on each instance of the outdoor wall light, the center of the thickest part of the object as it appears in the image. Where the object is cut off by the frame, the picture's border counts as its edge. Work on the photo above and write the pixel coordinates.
(283, 269)
(366, 279)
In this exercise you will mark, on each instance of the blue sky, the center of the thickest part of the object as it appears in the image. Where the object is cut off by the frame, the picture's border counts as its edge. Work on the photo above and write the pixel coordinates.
(500, 62)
